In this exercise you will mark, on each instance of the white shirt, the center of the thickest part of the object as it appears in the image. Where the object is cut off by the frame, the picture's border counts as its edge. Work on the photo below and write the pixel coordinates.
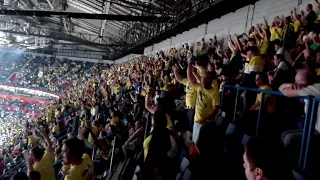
(287, 55)
(283, 66)
(313, 90)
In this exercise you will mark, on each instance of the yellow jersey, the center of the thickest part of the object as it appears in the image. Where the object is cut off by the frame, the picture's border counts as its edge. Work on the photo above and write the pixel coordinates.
(191, 94)
(95, 131)
(83, 171)
(264, 46)
(44, 167)
(56, 129)
(117, 89)
(169, 123)
(32, 140)
(274, 34)
(206, 101)
(165, 85)
(297, 25)
(256, 64)
(270, 104)
(201, 71)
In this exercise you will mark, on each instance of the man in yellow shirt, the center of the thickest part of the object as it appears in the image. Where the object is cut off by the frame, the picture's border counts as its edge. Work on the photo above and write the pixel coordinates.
(270, 101)
(43, 160)
(191, 96)
(255, 65)
(207, 103)
(81, 166)
(250, 121)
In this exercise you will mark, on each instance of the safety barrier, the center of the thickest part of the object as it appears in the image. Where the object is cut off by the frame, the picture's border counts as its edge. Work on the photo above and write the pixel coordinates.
(311, 130)
(309, 123)
(13, 170)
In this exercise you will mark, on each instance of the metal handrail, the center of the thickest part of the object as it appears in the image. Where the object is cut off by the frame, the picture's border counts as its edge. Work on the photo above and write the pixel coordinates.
(112, 155)
(307, 123)
(14, 169)
(313, 120)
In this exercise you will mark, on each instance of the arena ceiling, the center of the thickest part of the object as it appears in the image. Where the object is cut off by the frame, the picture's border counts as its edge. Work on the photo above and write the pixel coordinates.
(57, 24)
(107, 28)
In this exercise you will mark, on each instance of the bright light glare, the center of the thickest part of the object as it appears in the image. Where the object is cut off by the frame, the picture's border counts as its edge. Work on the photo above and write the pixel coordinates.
(2, 34)
(19, 38)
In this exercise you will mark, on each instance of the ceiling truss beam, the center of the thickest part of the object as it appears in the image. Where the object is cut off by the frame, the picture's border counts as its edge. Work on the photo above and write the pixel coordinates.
(82, 15)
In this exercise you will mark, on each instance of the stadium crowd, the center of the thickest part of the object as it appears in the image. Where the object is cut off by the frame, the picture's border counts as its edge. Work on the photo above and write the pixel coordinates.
(174, 97)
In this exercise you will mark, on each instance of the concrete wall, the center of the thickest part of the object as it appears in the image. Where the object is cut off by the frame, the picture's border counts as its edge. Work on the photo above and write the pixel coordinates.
(126, 58)
(233, 23)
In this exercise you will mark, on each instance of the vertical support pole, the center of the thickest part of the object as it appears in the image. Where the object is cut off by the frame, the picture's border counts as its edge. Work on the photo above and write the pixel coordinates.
(261, 110)
(147, 127)
(304, 136)
(74, 125)
(313, 120)
(112, 154)
(206, 29)
(222, 95)
(235, 106)
(246, 26)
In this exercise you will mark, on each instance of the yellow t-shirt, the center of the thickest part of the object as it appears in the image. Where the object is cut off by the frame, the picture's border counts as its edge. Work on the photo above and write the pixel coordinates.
(146, 143)
(174, 81)
(84, 171)
(169, 123)
(167, 64)
(256, 64)
(95, 131)
(56, 129)
(270, 105)
(206, 100)
(264, 46)
(200, 71)
(117, 89)
(165, 85)
(44, 167)
(114, 121)
(297, 25)
(32, 140)
(275, 35)
(191, 94)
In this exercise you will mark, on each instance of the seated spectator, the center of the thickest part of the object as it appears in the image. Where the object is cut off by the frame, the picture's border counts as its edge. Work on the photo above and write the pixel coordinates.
(269, 107)
(283, 73)
(266, 160)
(279, 49)
(305, 86)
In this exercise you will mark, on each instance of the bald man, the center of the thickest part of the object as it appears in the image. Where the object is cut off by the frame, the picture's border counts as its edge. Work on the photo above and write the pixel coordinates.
(305, 86)
(304, 78)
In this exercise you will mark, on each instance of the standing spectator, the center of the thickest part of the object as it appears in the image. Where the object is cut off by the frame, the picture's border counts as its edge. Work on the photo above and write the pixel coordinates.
(160, 150)
(73, 152)
(309, 18)
(43, 160)
(208, 100)
(191, 97)
(255, 65)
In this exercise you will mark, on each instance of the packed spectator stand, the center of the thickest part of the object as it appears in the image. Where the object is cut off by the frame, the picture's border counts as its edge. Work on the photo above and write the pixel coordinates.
(199, 112)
